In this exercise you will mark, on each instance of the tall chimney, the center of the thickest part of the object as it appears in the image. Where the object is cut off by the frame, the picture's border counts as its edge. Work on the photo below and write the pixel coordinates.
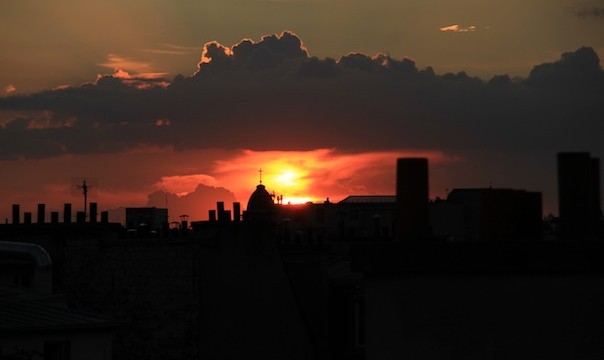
(41, 213)
(54, 217)
(27, 217)
(236, 211)
(80, 217)
(67, 214)
(93, 212)
(16, 214)
(412, 199)
(220, 211)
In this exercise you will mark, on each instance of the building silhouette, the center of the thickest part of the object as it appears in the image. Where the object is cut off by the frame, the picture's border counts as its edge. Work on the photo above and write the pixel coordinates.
(579, 196)
(369, 277)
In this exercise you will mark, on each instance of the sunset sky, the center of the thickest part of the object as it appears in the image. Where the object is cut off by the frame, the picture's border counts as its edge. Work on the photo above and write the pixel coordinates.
(181, 102)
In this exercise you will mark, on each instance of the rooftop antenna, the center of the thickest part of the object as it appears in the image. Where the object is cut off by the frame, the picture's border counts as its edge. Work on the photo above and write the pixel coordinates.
(166, 199)
(86, 187)
(260, 171)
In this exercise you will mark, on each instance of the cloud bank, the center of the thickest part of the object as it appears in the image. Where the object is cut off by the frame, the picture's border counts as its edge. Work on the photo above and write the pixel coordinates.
(596, 12)
(272, 94)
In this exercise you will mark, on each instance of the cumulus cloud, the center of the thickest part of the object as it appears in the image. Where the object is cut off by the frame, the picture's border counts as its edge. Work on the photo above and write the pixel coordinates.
(195, 204)
(272, 94)
(182, 185)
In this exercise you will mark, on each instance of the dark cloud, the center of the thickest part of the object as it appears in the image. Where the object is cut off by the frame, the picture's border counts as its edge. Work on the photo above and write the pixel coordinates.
(595, 12)
(271, 94)
(579, 69)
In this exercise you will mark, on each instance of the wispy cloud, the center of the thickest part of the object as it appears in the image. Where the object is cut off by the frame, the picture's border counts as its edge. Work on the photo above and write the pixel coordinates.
(458, 28)
(10, 88)
(139, 74)
(133, 68)
(172, 49)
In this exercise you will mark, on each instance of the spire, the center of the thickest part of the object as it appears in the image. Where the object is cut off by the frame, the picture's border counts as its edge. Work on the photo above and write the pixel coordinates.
(260, 172)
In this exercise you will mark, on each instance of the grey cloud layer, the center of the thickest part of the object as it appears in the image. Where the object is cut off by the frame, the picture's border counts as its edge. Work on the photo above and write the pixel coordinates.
(271, 94)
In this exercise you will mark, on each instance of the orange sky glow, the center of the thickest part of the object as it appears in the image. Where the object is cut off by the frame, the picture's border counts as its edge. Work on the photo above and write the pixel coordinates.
(128, 179)
(301, 176)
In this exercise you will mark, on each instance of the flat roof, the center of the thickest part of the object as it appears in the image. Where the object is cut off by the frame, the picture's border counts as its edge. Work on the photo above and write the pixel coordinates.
(368, 199)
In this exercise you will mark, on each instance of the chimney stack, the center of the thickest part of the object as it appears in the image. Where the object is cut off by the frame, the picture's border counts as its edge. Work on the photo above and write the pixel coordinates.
(67, 214)
(16, 214)
(105, 217)
(220, 211)
(54, 217)
(93, 212)
(41, 213)
(236, 211)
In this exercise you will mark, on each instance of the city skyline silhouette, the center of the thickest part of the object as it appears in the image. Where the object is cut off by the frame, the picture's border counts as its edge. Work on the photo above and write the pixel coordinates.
(301, 179)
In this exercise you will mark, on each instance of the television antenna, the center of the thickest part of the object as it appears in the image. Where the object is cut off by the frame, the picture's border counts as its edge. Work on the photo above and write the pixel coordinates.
(86, 186)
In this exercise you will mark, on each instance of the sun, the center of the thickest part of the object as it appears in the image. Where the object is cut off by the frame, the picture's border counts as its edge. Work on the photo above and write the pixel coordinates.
(289, 181)
(288, 178)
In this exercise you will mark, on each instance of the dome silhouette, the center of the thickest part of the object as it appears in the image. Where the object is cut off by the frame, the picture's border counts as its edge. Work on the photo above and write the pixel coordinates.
(260, 206)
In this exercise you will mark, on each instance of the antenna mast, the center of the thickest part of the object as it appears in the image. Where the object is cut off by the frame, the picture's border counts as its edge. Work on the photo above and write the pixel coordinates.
(85, 191)
(260, 171)
(84, 186)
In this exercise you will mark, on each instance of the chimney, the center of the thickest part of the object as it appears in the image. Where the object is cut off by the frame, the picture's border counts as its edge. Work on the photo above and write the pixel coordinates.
(16, 214)
(80, 217)
(41, 213)
(54, 217)
(212, 215)
(93, 212)
(184, 224)
(67, 214)
(27, 218)
(220, 211)
(412, 199)
(236, 211)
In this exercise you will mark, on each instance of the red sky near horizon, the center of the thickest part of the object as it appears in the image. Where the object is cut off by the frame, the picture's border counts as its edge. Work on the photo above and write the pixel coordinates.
(128, 180)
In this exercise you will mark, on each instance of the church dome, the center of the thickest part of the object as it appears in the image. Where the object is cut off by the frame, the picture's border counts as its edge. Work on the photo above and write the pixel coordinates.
(261, 202)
